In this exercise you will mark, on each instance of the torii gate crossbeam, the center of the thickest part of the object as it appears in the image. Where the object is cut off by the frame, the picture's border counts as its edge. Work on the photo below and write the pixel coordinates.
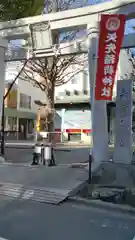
(69, 48)
(67, 20)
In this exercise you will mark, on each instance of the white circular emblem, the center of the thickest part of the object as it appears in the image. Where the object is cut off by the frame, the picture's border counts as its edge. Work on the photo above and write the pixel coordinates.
(112, 24)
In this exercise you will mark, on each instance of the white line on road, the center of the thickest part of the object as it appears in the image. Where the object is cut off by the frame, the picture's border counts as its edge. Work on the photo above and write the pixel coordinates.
(1, 238)
(134, 238)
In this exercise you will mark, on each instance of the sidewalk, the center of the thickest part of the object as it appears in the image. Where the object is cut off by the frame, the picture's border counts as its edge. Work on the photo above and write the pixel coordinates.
(43, 184)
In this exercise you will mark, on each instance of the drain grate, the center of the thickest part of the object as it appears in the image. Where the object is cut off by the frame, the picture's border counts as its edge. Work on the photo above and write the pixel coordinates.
(47, 195)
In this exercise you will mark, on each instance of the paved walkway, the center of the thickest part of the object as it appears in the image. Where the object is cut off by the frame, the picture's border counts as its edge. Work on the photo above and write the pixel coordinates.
(64, 181)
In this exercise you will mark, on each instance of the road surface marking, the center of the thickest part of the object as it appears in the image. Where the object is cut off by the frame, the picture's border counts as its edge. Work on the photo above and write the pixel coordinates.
(1, 238)
(28, 194)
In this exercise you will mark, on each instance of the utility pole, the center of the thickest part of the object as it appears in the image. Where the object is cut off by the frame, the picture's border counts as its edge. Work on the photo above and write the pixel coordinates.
(3, 112)
(3, 129)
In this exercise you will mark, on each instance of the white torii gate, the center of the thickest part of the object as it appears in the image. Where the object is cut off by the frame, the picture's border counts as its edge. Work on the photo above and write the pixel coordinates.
(64, 21)
(69, 20)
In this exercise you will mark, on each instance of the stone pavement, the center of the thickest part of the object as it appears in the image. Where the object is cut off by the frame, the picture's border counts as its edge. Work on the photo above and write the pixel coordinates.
(44, 183)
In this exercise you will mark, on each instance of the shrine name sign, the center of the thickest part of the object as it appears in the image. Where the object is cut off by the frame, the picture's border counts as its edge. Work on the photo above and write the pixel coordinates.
(110, 40)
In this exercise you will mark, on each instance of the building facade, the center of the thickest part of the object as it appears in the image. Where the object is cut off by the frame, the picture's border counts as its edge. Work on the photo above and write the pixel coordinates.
(73, 102)
(20, 108)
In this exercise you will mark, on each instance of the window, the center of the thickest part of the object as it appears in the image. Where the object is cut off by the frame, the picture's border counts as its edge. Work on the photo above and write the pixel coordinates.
(12, 124)
(61, 94)
(74, 80)
(4, 123)
(12, 99)
(85, 80)
(25, 101)
(30, 126)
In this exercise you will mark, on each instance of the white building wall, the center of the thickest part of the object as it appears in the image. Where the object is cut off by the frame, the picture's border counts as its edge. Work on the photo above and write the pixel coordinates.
(76, 83)
(79, 118)
(25, 87)
(30, 90)
(81, 80)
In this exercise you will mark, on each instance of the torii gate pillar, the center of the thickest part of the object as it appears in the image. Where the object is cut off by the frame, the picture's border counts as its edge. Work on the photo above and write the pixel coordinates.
(99, 112)
(3, 46)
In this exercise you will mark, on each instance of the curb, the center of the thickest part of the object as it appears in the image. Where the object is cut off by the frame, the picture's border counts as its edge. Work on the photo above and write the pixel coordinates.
(15, 164)
(78, 165)
(56, 148)
(20, 146)
(2, 160)
(1, 238)
(77, 188)
(103, 205)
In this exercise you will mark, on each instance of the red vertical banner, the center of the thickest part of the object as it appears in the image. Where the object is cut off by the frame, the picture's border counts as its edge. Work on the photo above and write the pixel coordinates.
(110, 40)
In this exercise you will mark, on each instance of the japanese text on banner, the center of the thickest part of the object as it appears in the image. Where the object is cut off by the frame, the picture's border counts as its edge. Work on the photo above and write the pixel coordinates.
(110, 41)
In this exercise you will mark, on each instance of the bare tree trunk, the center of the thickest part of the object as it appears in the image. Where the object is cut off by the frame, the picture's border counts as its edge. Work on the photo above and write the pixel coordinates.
(50, 117)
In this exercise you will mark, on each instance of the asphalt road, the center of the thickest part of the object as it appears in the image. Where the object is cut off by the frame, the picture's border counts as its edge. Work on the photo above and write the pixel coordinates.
(27, 220)
(67, 156)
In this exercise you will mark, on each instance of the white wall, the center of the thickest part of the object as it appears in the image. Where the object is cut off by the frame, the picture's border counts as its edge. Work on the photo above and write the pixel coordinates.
(76, 79)
(82, 119)
(77, 84)
(25, 87)
(82, 81)
(35, 93)
(74, 119)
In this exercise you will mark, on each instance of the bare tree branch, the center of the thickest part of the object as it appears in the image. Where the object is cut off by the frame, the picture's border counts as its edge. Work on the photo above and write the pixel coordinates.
(55, 69)
(50, 72)
(13, 82)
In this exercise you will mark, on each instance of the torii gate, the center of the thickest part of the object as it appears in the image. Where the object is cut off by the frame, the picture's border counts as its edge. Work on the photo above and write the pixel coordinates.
(69, 20)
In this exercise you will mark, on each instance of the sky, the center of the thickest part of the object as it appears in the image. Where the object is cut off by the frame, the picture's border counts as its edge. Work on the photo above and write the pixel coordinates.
(129, 23)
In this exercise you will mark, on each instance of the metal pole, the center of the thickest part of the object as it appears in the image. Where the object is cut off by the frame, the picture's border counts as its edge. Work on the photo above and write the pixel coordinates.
(90, 170)
(62, 122)
(3, 130)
